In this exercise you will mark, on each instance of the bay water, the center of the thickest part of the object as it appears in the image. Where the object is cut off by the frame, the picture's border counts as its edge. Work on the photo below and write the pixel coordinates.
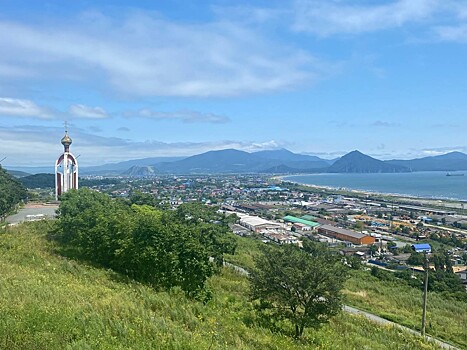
(433, 184)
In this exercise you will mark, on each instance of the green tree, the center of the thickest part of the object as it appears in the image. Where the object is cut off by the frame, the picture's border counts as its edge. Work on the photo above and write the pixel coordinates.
(359, 225)
(373, 249)
(140, 198)
(92, 225)
(442, 261)
(11, 192)
(464, 258)
(405, 229)
(416, 259)
(161, 248)
(301, 286)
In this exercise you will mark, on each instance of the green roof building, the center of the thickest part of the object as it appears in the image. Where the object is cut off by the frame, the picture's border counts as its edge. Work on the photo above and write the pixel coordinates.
(308, 217)
(290, 218)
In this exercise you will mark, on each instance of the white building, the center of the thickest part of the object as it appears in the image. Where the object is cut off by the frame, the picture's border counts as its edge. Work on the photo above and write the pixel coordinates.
(256, 224)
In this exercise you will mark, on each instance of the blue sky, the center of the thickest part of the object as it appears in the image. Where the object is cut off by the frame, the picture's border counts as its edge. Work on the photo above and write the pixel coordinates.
(137, 79)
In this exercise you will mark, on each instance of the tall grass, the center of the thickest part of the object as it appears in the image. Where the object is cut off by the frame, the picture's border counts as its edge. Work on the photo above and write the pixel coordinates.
(50, 302)
(446, 318)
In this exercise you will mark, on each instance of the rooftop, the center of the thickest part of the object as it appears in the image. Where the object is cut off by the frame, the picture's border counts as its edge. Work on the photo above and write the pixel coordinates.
(301, 221)
(343, 231)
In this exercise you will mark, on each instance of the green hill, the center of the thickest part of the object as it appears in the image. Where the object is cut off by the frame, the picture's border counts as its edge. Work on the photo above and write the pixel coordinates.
(38, 181)
(51, 302)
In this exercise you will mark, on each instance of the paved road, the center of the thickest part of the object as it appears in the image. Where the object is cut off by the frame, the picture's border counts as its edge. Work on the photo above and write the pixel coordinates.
(439, 227)
(369, 316)
(383, 321)
(31, 213)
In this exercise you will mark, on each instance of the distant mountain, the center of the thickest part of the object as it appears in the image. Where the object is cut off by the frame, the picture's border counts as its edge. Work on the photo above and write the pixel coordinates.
(281, 161)
(235, 161)
(140, 171)
(223, 161)
(17, 173)
(118, 168)
(32, 169)
(357, 162)
(284, 169)
(293, 160)
(38, 181)
(285, 154)
(447, 162)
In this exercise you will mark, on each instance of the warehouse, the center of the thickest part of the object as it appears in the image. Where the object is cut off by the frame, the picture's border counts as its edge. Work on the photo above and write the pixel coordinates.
(346, 235)
(256, 224)
(302, 221)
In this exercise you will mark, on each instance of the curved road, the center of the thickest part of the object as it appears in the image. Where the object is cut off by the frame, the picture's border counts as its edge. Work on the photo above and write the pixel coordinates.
(369, 316)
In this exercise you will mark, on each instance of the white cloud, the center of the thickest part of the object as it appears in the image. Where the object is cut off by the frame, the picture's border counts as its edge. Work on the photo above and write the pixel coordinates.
(14, 107)
(442, 150)
(457, 33)
(142, 55)
(385, 124)
(82, 111)
(330, 17)
(39, 146)
(185, 116)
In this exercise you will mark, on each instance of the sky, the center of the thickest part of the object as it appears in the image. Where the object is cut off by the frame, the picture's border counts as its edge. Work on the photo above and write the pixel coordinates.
(136, 79)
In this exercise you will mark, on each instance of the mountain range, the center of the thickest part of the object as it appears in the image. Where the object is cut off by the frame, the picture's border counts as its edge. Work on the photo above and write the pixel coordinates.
(447, 162)
(279, 161)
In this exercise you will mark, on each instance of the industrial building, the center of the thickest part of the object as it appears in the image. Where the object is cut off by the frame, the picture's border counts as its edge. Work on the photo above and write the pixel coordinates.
(346, 235)
(257, 224)
(296, 220)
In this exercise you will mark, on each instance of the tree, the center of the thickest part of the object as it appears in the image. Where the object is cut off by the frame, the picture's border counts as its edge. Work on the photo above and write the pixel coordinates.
(359, 225)
(405, 230)
(373, 249)
(11, 192)
(164, 249)
(301, 286)
(416, 259)
(442, 261)
(140, 198)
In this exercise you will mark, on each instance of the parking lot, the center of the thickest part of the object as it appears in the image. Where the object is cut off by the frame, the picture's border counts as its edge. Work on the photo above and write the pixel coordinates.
(33, 212)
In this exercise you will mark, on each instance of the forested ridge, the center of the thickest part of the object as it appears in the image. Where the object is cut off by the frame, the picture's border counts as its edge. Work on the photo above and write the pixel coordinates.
(11, 192)
(38, 181)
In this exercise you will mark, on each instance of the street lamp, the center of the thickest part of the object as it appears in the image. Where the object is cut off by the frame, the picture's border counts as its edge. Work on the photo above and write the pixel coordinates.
(424, 248)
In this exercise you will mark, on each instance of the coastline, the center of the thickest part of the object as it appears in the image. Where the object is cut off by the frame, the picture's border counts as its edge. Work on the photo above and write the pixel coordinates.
(395, 197)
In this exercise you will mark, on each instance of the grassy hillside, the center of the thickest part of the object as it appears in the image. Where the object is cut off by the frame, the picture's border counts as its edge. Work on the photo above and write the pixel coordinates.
(50, 302)
(398, 302)
(446, 317)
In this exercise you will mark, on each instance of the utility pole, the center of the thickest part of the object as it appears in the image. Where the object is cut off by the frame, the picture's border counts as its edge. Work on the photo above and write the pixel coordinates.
(425, 294)
(424, 248)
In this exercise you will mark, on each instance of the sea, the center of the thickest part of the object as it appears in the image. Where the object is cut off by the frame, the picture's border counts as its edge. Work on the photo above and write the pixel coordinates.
(432, 184)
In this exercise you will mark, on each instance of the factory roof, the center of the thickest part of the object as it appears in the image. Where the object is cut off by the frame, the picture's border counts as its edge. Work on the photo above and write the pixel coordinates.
(301, 221)
(343, 231)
